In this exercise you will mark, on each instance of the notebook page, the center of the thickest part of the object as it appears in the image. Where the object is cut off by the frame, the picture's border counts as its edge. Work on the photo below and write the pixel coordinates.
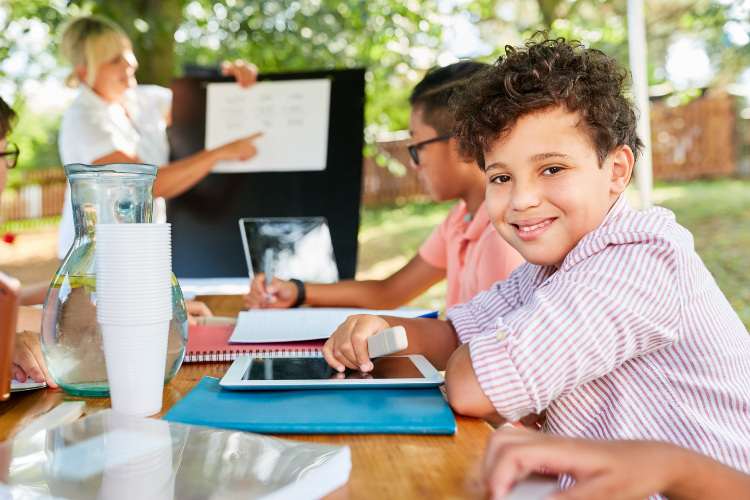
(290, 325)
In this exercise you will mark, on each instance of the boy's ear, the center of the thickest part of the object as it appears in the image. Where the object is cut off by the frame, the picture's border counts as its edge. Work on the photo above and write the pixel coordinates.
(622, 168)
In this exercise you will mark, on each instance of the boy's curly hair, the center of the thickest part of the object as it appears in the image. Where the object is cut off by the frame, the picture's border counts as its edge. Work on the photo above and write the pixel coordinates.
(545, 74)
(7, 119)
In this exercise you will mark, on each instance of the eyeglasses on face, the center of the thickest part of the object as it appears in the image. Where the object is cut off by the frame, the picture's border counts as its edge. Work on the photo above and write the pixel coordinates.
(414, 148)
(11, 155)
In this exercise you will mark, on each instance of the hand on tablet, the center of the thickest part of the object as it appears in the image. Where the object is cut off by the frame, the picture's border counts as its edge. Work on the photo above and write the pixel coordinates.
(283, 293)
(347, 347)
(353, 376)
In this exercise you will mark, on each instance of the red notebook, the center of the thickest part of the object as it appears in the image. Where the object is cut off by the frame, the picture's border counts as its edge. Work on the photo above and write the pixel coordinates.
(210, 344)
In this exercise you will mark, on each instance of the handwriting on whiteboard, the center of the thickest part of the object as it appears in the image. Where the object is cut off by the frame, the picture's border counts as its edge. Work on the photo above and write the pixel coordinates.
(293, 116)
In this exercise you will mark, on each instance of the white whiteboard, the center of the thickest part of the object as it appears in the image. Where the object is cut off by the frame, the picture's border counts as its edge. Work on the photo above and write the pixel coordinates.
(293, 116)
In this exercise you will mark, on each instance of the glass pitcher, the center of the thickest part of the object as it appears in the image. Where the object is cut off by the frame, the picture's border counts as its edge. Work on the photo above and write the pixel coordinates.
(71, 336)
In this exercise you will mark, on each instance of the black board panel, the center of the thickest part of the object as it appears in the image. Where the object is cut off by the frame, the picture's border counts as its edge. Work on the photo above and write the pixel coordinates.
(206, 238)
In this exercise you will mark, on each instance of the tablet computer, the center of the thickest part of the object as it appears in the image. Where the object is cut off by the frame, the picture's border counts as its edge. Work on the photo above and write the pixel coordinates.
(299, 247)
(251, 373)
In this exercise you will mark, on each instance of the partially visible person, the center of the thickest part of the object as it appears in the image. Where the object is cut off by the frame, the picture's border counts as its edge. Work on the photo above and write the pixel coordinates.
(28, 359)
(115, 120)
(614, 328)
(34, 294)
(464, 248)
(612, 470)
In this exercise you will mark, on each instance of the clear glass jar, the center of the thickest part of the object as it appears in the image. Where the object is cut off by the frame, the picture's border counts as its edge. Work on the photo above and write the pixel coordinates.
(71, 336)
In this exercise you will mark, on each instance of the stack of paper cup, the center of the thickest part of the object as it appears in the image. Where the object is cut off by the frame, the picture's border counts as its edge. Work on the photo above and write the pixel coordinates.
(134, 309)
(138, 459)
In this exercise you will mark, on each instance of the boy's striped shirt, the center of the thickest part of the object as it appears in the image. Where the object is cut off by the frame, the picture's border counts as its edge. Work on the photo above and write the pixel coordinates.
(630, 339)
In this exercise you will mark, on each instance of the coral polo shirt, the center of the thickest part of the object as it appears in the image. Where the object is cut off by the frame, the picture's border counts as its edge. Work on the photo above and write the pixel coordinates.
(473, 254)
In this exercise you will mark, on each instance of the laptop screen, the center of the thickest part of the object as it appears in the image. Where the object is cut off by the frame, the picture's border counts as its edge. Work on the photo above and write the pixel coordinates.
(298, 247)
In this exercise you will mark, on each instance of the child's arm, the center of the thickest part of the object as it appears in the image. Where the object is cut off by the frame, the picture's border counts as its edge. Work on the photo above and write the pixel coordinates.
(570, 331)
(465, 395)
(406, 284)
(34, 294)
(627, 470)
(29, 318)
(432, 338)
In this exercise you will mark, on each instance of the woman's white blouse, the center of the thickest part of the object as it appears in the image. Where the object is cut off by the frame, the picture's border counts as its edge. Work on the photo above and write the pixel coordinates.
(92, 128)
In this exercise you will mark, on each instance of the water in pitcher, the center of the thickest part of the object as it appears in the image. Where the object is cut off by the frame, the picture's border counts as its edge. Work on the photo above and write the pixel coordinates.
(74, 344)
(120, 193)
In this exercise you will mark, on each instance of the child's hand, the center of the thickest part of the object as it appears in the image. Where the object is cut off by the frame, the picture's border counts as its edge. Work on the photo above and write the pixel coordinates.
(347, 347)
(196, 308)
(28, 360)
(283, 293)
(616, 470)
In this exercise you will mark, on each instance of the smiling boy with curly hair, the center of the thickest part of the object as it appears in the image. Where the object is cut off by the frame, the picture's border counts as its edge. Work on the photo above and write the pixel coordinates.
(614, 326)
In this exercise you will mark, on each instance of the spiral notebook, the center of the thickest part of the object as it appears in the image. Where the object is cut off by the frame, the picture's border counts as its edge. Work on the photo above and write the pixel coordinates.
(210, 344)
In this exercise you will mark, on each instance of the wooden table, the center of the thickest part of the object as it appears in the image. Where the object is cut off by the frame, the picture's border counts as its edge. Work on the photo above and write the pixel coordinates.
(383, 466)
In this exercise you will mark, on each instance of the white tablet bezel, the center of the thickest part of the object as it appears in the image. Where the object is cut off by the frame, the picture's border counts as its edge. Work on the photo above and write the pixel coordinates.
(233, 378)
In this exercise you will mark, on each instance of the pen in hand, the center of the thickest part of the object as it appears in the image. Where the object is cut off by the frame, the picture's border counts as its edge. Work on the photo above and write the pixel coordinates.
(269, 275)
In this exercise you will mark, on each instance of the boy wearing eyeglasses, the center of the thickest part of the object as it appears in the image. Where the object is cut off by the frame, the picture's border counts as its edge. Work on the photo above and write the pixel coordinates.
(464, 248)
(28, 360)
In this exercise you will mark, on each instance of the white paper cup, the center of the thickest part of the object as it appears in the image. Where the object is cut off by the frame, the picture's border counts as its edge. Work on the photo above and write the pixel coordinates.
(135, 356)
(138, 460)
(141, 319)
(134, 309)
(123, 268)
(134, 273)
(133, 288)
(138, 249)
(135, 228)
(116, 302)
(135, 280)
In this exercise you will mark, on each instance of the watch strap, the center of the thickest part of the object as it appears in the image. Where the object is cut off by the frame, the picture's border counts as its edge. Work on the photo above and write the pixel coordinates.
(300, 292)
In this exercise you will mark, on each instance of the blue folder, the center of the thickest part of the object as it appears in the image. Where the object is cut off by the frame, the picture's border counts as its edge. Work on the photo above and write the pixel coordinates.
(330, 411)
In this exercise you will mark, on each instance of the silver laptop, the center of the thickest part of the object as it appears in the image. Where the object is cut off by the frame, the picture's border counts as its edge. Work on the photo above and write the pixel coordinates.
(300, 247)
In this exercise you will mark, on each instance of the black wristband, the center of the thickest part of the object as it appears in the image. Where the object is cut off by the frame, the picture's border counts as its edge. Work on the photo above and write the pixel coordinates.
(300, 292)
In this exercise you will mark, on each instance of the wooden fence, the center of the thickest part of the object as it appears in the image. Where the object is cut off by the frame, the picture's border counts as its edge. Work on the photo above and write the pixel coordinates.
(33, 194)
(697, 140)
(380, 186)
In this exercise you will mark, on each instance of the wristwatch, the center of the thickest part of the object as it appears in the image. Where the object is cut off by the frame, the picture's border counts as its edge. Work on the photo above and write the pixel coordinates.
(300, 292)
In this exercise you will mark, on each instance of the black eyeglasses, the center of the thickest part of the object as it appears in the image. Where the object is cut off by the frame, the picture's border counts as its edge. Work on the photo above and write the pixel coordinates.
(414, 148)
(11, 155)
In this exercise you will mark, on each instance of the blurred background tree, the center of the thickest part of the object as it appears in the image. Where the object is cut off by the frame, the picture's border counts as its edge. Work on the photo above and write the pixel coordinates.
(691, 44)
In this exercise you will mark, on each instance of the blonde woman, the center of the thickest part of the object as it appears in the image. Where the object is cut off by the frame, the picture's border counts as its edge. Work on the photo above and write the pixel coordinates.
(116, 120)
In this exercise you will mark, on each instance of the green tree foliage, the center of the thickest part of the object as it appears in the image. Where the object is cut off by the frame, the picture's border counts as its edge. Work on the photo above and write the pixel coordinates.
(396, 40)
(603, 25)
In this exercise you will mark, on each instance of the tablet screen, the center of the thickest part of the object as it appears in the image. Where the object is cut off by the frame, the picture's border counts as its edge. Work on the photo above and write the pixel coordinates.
(318, 369)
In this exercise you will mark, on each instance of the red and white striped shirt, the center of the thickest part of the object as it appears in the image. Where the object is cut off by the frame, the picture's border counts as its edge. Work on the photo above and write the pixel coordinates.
(630, 339)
